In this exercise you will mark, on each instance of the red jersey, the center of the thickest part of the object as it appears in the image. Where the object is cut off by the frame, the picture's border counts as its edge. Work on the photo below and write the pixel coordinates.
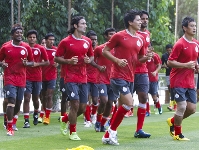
(91, 73)
(63, 71)
(35, 73)
(15, 73)
(50, 72)
(152, 66)
(103, 77)
(141, 67)
(126, 46)
(72, 46)
(183, 52)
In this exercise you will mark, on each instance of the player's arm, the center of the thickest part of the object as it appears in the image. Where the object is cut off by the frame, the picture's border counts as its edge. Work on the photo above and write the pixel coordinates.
(61, 60)
(175, 64)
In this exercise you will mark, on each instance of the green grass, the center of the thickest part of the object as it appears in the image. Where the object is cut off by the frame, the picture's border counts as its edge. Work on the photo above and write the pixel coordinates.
(43, 137)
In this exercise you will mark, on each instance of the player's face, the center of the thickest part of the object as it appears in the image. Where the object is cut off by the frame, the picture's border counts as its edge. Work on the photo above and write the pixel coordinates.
(43, 42)
(94, 40)
(17, 36)
(50, 41)
(110, 34)
(191, 29)
(81, 27)
(32, 39)
(145, 21)
(169, 50)
(136, 24)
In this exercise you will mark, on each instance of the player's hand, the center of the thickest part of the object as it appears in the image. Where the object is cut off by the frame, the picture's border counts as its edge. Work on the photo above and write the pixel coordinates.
(102, 68)
(154, 73)
(4, 65)
(73, 60)
(122, 62)
(191, 65)
(55, 64)
(24, 61)
(87, 60)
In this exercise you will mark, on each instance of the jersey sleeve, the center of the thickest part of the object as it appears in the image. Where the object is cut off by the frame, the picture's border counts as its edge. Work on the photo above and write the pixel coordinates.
(113, 41)
(61, 49)
(2, 53)
(143, 49)
(44, 55)
(90, 49)
(175, 52)
(30, 55)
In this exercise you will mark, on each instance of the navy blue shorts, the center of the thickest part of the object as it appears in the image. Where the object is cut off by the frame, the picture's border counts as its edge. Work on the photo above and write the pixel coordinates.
(15, 92)
(62, 85)
(153, 88)
(184, 94)
(77, 91)
(121, 86)
(48, 85)
(106, 90)
(141, 83)
(33, 87)
(93, 89)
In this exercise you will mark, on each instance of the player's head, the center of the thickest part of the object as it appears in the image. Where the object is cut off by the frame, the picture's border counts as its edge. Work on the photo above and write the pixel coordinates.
(93, 36)
(17, 32)
(50, 39)
(169, 48)
(144, 15)
(189, 25)
(43, 42)
(132, 18)
(109, 32)
(31, 36)
(77, 23)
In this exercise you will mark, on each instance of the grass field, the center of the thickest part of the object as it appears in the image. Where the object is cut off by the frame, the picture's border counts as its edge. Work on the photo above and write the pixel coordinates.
(43, 137)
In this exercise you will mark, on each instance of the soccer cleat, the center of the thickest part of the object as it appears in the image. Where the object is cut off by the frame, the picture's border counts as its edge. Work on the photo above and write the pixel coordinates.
(171, 127)
(105, 140)
(169, 108)
(93, 118)
(180, 137)
(160, 110)
(46, 121)
(35, 118)
(97, 126)
(102, 129)
(141, 134)
(26, 124)
(113, 137)
(156, 111)
(147, 114)
(10, 132)
(40, 120)
(14, 127)
(73, 136)
(88, 124)
(63, 128)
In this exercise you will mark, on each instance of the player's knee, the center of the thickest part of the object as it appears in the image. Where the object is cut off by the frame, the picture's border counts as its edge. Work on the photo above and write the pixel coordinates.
(181, 107)
(11, 102)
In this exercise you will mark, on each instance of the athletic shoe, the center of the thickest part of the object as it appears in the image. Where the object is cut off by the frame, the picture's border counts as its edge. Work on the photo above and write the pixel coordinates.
(26, 124)
(156, 111)
(102, 129)
(40, 120)
(113, 137)
(35, 118)
(105, 140)
(88, 124)
(160, 110)
(180, 137)
(142, 134)
(127, 115)
(5, 125)
(14, 127)
(93, 118)
(46, 121)
(147, 114)
(97, 126)
(130, 113)
(169, 108)
(59, 119)
(63, 128)
(10, 132)
(171, 127)
(73, 136)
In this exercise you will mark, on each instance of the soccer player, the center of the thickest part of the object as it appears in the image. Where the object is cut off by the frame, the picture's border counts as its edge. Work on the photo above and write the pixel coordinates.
(75, 51)
(153, 66)
(49, 76)
(43, 42)
(106, 94)
(128, 47)
(141, 84)
(17, 55)
(183, 60)
(34, 78)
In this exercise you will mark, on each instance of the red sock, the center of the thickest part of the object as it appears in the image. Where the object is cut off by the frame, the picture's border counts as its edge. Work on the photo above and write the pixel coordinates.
(118, 117)
(65, 118)
(9, 124)
(72, 128)
(103, 121)
(147, 107)
(14, 120)
(114, 111)
(99, 117)
(87, 113)
(26, 115)
(178, 129)
(48, 111)
(157, 104)
(140, 118)
(172, 120)
(63, 113)
(41, 114)
(106, 135)
(94, 109)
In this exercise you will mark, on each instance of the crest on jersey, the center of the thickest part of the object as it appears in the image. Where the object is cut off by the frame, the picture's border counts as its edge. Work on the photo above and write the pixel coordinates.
(196, 49)
(85, 45)
(36, 52)
(147, 39)
(138, 43)
(53, 53)
(22, 52)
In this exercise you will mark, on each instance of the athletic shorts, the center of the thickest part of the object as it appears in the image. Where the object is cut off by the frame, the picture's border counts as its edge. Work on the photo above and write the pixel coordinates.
(121, 86)
(33, 87)
(62, 85)
(184, 94)
(93, 89)
(106, 90)
(77, 91)
(15, 92)
(153, 88)
(141, 83)
(167, 80)
(48, 85)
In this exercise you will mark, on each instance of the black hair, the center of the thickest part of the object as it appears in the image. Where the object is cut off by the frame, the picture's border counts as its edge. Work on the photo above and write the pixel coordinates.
(49, 35)
(142, 12)
(169, 46)
(31, 32)
(130, 16)
(186, 21)
(109, 30)
(75, 20)
(91, 33)
(15, 27)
